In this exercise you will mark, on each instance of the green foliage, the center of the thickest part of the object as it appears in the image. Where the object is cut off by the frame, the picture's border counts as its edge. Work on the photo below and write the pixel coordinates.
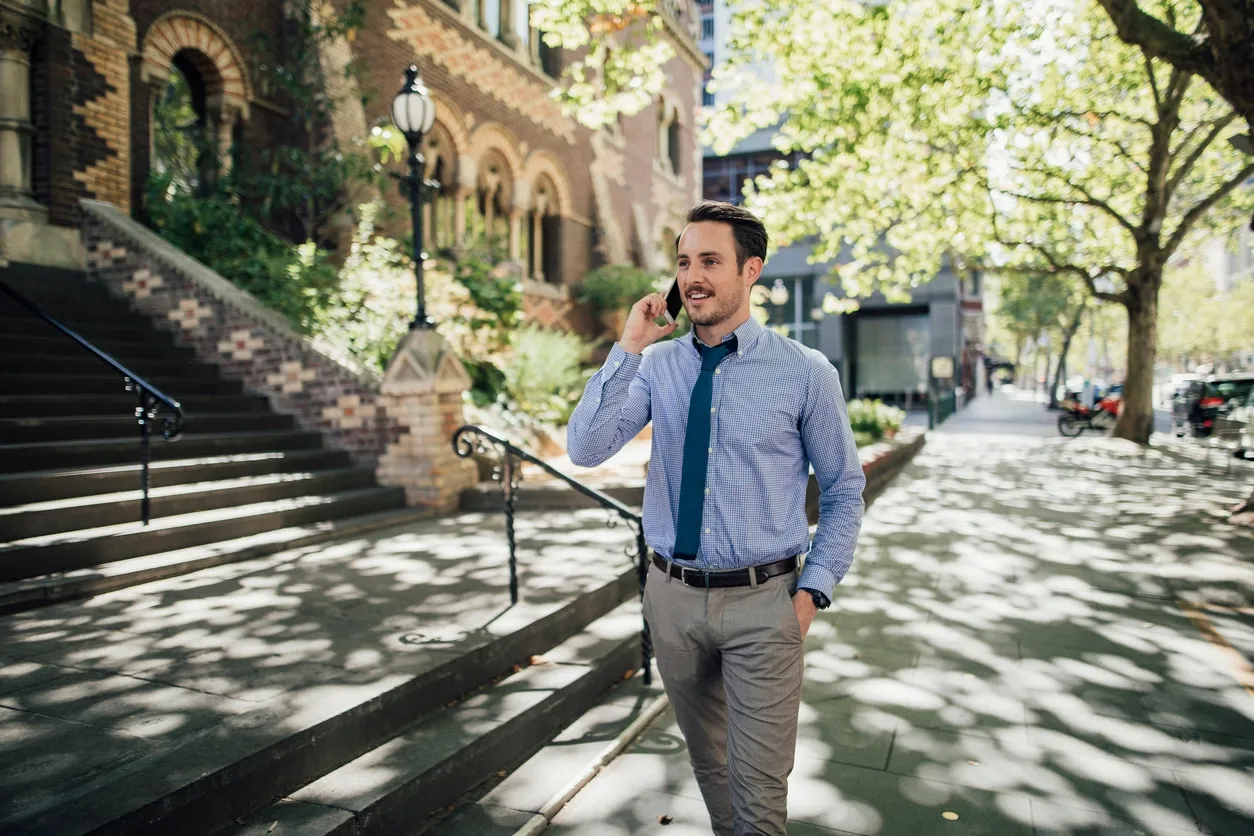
(614, 287)
(311, 183)
(178, 142)
(544, 378)
(872, 420)
(492, 289)
(298, 282)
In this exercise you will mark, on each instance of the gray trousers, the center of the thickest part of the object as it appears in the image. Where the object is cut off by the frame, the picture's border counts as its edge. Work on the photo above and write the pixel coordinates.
(731, 662)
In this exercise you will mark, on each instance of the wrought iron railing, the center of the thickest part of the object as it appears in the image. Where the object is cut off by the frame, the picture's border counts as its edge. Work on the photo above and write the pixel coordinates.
(151, 400)
(471, 439)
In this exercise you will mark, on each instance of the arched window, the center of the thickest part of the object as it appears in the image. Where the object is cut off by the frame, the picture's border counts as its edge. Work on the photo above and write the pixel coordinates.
(542, 250)
(668, 127)
(178, 128)
(487, 222)
(439, 221)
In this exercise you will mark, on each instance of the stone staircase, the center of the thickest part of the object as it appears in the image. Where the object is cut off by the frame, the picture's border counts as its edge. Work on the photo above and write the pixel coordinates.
(243, 481)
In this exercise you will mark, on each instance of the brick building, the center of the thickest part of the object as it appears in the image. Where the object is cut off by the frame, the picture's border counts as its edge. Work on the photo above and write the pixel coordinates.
(79, 79)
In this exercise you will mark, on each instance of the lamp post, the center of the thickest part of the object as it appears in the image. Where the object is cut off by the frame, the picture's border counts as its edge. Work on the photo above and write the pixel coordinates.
(413, 114)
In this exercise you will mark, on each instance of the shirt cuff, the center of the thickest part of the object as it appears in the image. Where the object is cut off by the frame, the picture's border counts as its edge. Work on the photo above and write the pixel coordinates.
(817, 578)
(620, 359)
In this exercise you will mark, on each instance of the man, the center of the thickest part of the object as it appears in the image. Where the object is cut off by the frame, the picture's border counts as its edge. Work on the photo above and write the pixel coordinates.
(739, 415)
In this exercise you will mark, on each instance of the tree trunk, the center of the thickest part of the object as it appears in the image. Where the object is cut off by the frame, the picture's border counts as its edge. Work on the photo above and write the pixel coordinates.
(1136, 423)
(1067, 336)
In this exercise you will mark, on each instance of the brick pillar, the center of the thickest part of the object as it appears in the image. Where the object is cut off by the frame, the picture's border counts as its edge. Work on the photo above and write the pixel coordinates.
(423, 390)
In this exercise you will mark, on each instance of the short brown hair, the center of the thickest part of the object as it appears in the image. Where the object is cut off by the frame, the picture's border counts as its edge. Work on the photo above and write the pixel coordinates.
(749, 232)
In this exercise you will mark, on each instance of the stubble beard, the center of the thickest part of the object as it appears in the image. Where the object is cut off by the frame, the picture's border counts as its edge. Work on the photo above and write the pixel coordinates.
(725, 308)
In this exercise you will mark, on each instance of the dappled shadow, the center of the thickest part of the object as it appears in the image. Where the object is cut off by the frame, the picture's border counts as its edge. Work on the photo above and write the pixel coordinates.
(88, 688)
(1022, 643)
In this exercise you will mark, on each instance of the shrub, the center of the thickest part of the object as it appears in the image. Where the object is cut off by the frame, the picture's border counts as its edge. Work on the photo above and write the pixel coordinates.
(617, 286)
(545, 377)
(874, 419)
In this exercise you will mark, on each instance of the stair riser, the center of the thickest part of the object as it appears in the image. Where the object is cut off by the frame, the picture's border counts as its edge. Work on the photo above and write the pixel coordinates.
(37, 524)
(30, 431)
(129, 331)
(177, 388)
(82, 317)
(218, 798)
(151, 365)
(489, 501)
(159, 345)
(127, 452)
(34, 561)
(50, 488)
(64, 406)
(504, 748)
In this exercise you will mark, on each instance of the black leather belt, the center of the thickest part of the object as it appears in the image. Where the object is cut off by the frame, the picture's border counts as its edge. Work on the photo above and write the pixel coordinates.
(731, 577)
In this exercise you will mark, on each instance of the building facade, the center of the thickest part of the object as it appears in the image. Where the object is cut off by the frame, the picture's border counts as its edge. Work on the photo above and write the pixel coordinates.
(80, 81)
(883, 350)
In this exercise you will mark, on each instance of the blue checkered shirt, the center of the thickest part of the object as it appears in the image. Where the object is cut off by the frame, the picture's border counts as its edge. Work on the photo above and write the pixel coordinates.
(777, 411)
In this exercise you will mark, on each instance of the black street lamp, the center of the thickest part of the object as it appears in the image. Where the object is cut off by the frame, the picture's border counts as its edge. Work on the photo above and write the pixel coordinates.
(413, 114)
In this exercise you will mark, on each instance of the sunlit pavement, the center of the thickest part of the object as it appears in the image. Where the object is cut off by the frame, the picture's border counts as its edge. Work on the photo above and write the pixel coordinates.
(1039, 636)
(89, 689)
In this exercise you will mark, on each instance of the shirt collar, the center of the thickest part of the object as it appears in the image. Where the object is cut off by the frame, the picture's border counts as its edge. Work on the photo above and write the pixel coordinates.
(745, 336)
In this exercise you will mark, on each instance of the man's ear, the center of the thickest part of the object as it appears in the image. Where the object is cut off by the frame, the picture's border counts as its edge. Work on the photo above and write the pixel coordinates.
(753, 269)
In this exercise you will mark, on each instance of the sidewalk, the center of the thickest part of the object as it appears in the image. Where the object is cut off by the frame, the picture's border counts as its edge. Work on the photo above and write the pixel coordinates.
(1039, 636)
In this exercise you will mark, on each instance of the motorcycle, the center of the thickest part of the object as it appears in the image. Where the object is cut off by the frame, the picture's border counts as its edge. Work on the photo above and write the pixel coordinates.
(1076, 417)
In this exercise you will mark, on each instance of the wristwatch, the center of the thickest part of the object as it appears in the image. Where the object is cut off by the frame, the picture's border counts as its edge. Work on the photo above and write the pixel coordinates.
(820, 600)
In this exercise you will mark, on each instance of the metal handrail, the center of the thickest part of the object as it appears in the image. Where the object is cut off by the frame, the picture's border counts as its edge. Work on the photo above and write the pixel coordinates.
(152, 400)
(470, 438)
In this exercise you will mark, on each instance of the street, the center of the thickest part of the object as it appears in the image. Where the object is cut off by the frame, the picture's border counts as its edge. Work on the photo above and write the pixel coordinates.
(1039, 636)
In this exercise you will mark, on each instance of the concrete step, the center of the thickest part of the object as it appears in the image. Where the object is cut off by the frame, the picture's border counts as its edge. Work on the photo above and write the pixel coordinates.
(32, 593)
(396, 786)
(26, 430)
(67, 551)
(83, 363)
(52, 485)
(18, 458)
(202, 782)
(156, 344)
(104, 426)
(27, 324)
(547, 496)
(40, 519)
(77, 314)
(109, 383)
(550, 777)
(62, 406)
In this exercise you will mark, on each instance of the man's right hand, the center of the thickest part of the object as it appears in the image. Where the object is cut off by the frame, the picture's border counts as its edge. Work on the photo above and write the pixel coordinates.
(641, 331)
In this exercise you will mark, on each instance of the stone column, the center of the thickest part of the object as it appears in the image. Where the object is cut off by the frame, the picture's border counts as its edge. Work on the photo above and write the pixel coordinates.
(509, 37)
(224, 114)
(17, 38)
(423, 390)
(516, 219)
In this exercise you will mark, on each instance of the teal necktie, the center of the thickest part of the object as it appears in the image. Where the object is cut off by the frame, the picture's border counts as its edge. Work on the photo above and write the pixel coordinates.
(697, 453)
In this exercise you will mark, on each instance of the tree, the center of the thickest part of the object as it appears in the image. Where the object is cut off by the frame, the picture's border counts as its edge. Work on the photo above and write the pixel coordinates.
(1022, 139)
(1217, 45)
(1052, 306)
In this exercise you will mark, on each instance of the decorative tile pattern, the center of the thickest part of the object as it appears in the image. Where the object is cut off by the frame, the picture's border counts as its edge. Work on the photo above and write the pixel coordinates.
(143, 283)
(104, 254)
(349, 412)
(292, 377)
(190, 313)
(481, 66)
(241, 345)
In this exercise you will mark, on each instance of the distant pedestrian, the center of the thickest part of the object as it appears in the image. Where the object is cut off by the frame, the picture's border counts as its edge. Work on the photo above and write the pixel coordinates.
(740, 414)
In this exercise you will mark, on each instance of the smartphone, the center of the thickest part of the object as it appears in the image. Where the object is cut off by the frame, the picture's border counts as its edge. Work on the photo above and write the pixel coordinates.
(674, 302)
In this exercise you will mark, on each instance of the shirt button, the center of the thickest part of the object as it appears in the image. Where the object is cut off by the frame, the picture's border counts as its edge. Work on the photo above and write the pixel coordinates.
(713, 410)
(707, 490)
(707, 531)
(710, 450)
(718, 371)
(738, 353)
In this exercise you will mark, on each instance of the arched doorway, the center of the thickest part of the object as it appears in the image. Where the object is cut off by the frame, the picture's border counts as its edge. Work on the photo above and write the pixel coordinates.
(180, 151)
(543, 239)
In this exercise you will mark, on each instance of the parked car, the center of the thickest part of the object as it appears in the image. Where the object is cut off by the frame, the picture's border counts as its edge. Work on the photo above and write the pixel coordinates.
(1238, 425)
(1201, 403)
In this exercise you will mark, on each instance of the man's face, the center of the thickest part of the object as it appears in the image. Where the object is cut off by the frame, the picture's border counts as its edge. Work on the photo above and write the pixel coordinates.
(714, 288)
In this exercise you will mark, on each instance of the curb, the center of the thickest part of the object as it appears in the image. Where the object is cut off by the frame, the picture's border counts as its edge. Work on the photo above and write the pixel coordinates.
(540, 821)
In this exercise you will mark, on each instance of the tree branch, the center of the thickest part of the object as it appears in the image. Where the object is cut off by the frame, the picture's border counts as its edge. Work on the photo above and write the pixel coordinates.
(1089, 200)
(1157, 38)
(1203, 206)
(1153, 81)
(1197, 152)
